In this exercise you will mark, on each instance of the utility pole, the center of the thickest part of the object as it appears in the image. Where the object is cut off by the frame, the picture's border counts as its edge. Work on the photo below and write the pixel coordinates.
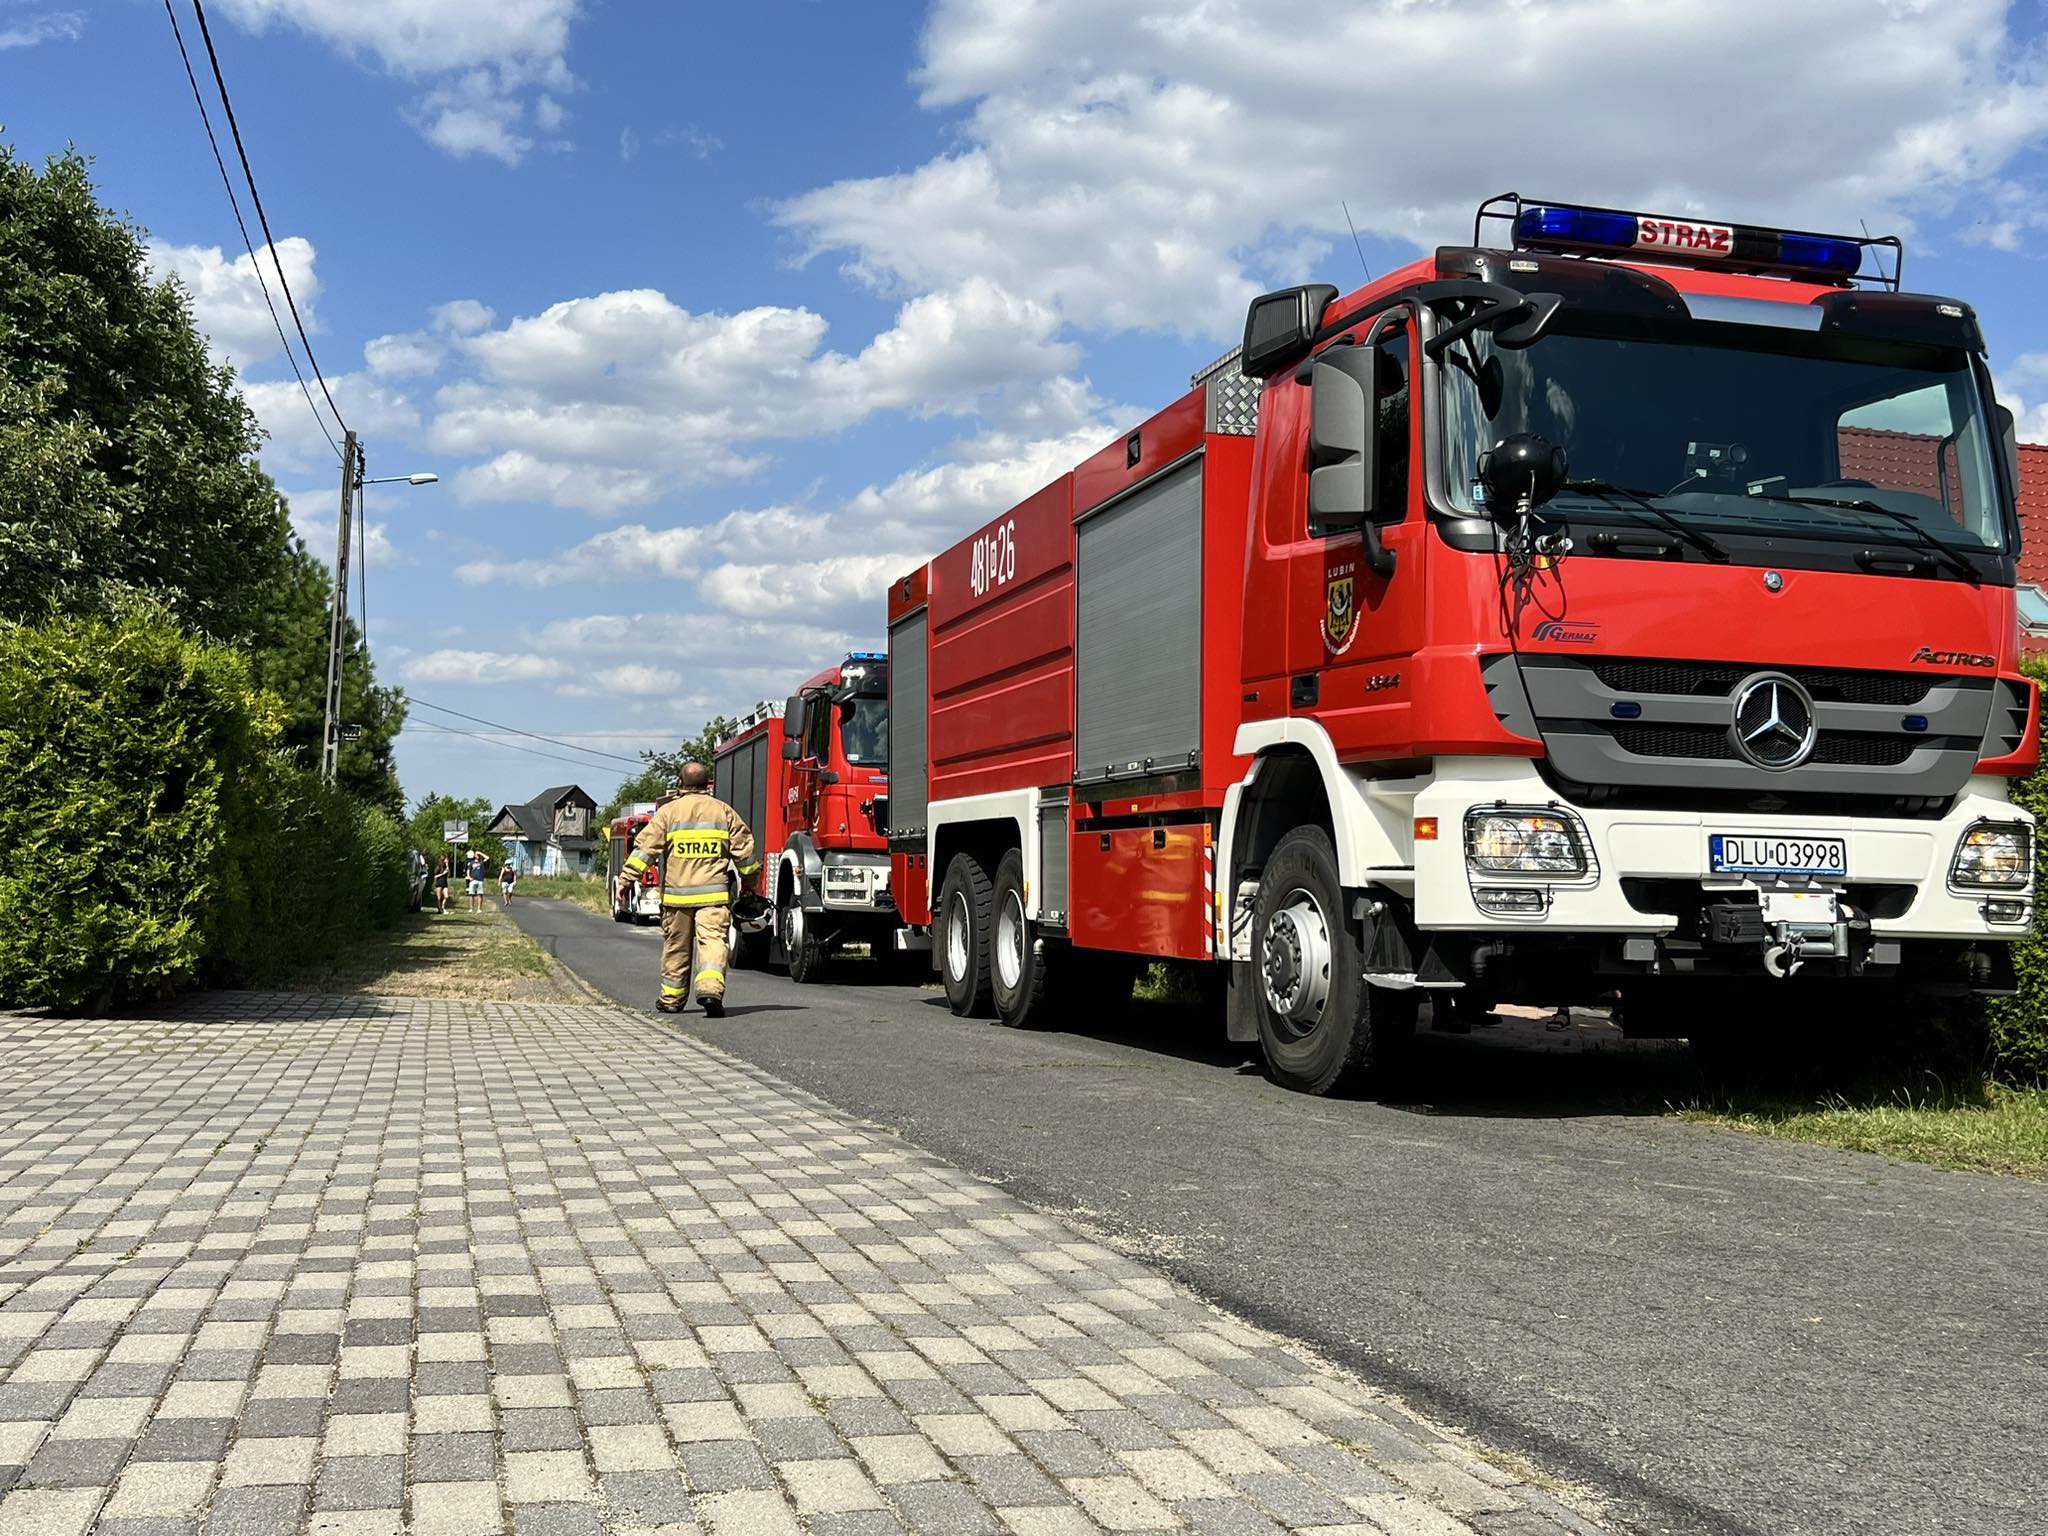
(337, 635)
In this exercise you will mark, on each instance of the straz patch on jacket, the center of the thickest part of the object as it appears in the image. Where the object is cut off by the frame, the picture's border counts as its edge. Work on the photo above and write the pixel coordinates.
(697, 845)
(1340, 611)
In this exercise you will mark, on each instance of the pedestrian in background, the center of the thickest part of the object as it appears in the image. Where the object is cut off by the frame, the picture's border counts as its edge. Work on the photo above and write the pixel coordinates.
(477, 865)
(442, 871)
(507, 878)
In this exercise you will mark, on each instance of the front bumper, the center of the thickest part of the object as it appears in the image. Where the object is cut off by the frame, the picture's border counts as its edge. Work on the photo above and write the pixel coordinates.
(856, 882)
(1648, 867)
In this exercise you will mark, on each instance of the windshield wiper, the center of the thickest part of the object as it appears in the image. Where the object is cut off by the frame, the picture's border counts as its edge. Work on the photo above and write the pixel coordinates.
(1621, 495)
(1921, 537)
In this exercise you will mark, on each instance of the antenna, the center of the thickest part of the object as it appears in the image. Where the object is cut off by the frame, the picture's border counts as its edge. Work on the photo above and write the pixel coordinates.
(1354, 238)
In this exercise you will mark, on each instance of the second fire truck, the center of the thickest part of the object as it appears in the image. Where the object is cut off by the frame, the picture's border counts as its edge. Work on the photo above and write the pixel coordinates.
(811, 777)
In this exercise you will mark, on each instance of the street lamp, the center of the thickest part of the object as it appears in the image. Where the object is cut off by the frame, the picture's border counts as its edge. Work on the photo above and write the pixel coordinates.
(352, 483)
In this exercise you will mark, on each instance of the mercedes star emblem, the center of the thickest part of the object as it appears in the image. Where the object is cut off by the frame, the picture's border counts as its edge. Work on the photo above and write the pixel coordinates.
(1773, 582)
(1773, 725)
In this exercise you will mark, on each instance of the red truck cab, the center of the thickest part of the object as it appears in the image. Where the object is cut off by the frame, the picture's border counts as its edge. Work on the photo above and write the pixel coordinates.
(816, 774)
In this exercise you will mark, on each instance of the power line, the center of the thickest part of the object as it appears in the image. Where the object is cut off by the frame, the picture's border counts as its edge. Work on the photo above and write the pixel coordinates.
(535, 735)
(509, 746)
(247, 244)
(255, 197)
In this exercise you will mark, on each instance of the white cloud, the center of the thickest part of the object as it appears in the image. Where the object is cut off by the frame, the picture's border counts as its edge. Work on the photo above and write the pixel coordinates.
(461, 317)
(1154, 164)
(404, 355)
(44, 27)
(375, 409)
(312, 515)
(495, 66)
(611, 402)
(635, 679)
(455, 666)
(228, 298)
(629, 143)
(2022, 380)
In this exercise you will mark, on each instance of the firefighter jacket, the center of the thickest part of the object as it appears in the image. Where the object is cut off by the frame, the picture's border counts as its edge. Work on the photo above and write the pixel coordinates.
(697, 835)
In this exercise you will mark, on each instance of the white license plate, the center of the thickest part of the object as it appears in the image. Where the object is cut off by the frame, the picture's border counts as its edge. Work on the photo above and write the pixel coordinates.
(1744, 853)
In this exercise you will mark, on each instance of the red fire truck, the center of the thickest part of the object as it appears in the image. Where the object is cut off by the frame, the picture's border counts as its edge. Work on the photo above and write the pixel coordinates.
(810, 776)
(1619, 604)
(642, 903)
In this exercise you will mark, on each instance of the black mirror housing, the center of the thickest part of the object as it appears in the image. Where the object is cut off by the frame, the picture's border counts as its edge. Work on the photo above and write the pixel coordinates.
(2009, 444)
(1279, 326)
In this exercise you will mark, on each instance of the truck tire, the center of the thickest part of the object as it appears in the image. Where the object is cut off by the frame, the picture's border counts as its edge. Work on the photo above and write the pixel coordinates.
(1016, 971)
(961, 934)
(1320, 1026)
(807, 957)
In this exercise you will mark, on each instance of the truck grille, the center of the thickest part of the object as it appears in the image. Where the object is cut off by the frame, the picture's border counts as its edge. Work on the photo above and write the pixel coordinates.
(1710, 743)
(1692, 679)
(1657, 727)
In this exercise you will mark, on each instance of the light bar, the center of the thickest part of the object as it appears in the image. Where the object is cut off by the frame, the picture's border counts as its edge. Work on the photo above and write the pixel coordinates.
(1564, 228)
(867, 655)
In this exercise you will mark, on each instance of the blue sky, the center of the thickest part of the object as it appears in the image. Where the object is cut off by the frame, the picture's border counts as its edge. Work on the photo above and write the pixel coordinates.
(713, 317)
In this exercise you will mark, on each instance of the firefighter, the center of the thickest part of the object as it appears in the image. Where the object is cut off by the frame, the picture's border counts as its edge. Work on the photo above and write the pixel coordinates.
(698, 837)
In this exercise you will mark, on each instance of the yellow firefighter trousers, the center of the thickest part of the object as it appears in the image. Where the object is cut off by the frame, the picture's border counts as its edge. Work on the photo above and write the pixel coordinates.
(712, 929)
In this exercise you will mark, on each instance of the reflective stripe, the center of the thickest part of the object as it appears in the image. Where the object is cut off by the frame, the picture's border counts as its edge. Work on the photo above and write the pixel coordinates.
(698, 890)
(673, 988)
(698, 826)
(717, 898)
(637, 864)
(751, 869)
(712, 973)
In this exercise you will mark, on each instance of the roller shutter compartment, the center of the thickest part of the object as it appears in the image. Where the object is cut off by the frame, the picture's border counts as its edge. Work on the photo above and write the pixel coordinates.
(909, 768)
(1139, 641)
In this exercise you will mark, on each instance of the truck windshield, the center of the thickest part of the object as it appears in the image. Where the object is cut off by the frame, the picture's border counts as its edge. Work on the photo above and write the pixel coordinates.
(1736, 429)
(864, 732)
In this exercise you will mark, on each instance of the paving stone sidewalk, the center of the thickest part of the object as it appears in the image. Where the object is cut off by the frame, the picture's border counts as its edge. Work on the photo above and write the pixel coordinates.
(278, 1264)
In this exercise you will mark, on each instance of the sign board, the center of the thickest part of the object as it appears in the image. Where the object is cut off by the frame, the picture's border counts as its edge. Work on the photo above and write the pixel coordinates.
(454, 831)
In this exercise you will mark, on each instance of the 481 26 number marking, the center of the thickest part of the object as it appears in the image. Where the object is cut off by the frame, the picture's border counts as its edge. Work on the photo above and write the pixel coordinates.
(994, 558)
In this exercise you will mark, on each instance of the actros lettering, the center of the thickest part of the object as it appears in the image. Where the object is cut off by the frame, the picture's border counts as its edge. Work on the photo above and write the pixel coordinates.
(993, 560)
(1933, 658)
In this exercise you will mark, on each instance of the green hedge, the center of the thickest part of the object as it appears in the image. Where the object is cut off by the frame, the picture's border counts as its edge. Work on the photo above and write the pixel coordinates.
(2018, 1026)
(152, 836)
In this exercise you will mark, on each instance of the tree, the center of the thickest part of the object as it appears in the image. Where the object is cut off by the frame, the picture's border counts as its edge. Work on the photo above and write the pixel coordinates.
(139, 471)
(423, 828)
(290, 657)
(126, 466)
(700, 749)
(646, 785)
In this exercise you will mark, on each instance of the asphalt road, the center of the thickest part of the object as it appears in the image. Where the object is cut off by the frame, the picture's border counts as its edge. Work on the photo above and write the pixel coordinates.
(1713, 1332)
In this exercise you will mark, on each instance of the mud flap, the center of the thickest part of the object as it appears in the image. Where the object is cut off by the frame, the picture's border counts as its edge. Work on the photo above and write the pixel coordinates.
(1241, 1011)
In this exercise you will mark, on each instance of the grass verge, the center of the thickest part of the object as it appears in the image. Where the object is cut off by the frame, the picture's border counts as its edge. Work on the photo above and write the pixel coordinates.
(591, 894)
(476, 956)
(1979, 1127)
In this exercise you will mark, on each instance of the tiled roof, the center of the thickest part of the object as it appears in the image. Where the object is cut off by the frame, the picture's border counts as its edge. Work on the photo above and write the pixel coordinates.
(2034, 513)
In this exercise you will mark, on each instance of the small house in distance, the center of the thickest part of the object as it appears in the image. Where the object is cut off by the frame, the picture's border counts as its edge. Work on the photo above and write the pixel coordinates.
(554, 833)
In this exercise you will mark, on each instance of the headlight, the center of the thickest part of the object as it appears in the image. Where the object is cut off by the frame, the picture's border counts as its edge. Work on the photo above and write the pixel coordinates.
(1994, 856)
(1523, 842)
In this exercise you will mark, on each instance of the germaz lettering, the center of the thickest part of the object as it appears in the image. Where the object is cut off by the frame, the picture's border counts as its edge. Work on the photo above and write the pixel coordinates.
(1564, 633)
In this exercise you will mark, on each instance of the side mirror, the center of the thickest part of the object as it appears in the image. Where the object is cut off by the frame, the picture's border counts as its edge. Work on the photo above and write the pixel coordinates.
(1522, 466)
(1279, 326)
(1343, 445)
(1529, 329)
(792, 748)
(2009, 441)
(827, 776)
